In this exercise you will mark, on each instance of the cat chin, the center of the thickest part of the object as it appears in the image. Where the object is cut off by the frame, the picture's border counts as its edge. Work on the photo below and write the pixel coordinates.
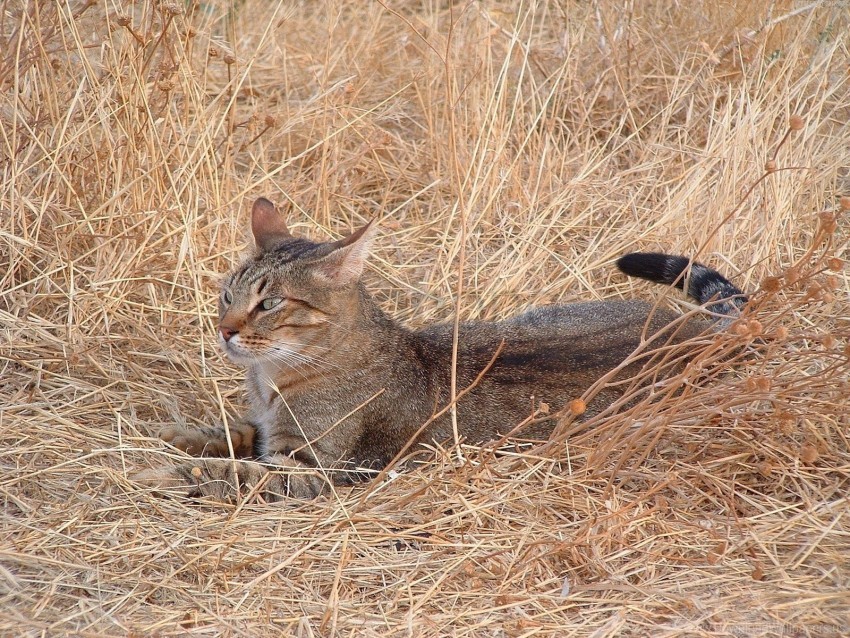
(252, 360)
(243, 359)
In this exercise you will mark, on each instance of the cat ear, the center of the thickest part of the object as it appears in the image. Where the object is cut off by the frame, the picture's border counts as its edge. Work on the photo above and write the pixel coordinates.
(267, 225)
(344, 263)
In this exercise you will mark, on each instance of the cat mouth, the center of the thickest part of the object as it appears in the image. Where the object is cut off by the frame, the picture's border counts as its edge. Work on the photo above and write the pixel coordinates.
(241, 356)
(236, 353)
(276, 355)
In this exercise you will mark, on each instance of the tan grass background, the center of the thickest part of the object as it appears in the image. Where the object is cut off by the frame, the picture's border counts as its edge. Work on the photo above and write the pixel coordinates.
(510, 151)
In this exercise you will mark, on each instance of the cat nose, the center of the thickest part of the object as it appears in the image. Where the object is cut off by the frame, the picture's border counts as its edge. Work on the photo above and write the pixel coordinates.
(227, 333)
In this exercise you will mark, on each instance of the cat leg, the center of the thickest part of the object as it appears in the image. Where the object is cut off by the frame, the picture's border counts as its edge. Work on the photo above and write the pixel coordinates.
(215, 478)
(212, 440)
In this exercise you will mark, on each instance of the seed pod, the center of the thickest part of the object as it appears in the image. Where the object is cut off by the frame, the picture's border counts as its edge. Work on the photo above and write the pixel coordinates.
(771, 284)
(781, 333)
(577, 407)
(828, 221)
(808, 453)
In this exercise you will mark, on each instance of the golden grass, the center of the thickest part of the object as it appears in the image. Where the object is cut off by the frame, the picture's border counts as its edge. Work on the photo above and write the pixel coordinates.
(510, 151)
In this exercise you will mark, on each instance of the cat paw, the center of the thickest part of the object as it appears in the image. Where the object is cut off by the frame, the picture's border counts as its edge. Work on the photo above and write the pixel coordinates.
(160, 479)
(183, 439)
(215, 478)
(301, 481)
(198, 441)
(212, 478)
(210, 441)
(179, 437)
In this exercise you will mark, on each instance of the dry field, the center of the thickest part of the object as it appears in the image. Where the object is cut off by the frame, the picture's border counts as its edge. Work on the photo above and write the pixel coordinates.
(509, 151)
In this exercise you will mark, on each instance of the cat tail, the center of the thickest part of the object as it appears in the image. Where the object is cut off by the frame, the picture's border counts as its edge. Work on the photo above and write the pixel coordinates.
(704, 284)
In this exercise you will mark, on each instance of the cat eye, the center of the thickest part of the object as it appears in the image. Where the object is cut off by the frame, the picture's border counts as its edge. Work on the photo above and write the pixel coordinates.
(271, 302)
(228, 298)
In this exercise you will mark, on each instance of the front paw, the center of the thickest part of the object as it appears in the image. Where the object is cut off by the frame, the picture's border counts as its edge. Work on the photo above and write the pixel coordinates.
(216, 478)
(184, 479)
(212, 440)
(192, 442)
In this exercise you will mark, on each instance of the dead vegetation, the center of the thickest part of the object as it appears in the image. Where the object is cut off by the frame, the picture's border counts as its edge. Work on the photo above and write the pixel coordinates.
(510, 152)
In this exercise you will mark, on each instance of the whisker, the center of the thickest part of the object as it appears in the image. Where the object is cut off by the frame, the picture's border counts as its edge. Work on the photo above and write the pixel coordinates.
(300, 356)
(295, 360)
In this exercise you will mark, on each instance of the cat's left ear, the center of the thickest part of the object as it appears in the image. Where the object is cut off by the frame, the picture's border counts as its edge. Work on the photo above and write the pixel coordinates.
(344, 263)
(267, 225)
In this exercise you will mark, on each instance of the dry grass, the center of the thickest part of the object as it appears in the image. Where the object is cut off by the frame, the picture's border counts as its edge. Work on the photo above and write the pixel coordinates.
(511, 151)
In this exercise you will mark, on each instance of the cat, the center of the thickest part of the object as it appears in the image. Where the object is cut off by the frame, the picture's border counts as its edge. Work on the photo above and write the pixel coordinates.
(336, 387)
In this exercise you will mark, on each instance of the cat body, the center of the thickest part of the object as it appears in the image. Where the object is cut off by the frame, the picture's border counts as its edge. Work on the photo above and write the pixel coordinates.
(335, 386)
(401, 378)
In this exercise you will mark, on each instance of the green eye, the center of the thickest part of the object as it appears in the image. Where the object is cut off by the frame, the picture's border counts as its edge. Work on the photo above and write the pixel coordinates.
(228, 298)
(271, 302)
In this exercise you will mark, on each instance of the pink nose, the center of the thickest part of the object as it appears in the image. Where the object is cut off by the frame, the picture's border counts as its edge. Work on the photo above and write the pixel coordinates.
(227, 333)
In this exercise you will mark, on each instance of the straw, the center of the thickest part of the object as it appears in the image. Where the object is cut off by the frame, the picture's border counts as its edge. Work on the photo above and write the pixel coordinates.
(510, 151)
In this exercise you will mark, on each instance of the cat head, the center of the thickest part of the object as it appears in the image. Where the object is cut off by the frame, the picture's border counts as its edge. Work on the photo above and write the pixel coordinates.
(293, 298)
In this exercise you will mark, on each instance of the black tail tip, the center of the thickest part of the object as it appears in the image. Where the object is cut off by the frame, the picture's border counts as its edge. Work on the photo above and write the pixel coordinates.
(652, 266)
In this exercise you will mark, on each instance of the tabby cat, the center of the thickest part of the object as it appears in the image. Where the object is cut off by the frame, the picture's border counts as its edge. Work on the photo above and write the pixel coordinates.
(334, 385)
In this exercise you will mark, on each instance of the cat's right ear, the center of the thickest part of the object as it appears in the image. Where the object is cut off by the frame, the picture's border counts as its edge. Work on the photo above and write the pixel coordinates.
(345, 258)
(267, 225)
